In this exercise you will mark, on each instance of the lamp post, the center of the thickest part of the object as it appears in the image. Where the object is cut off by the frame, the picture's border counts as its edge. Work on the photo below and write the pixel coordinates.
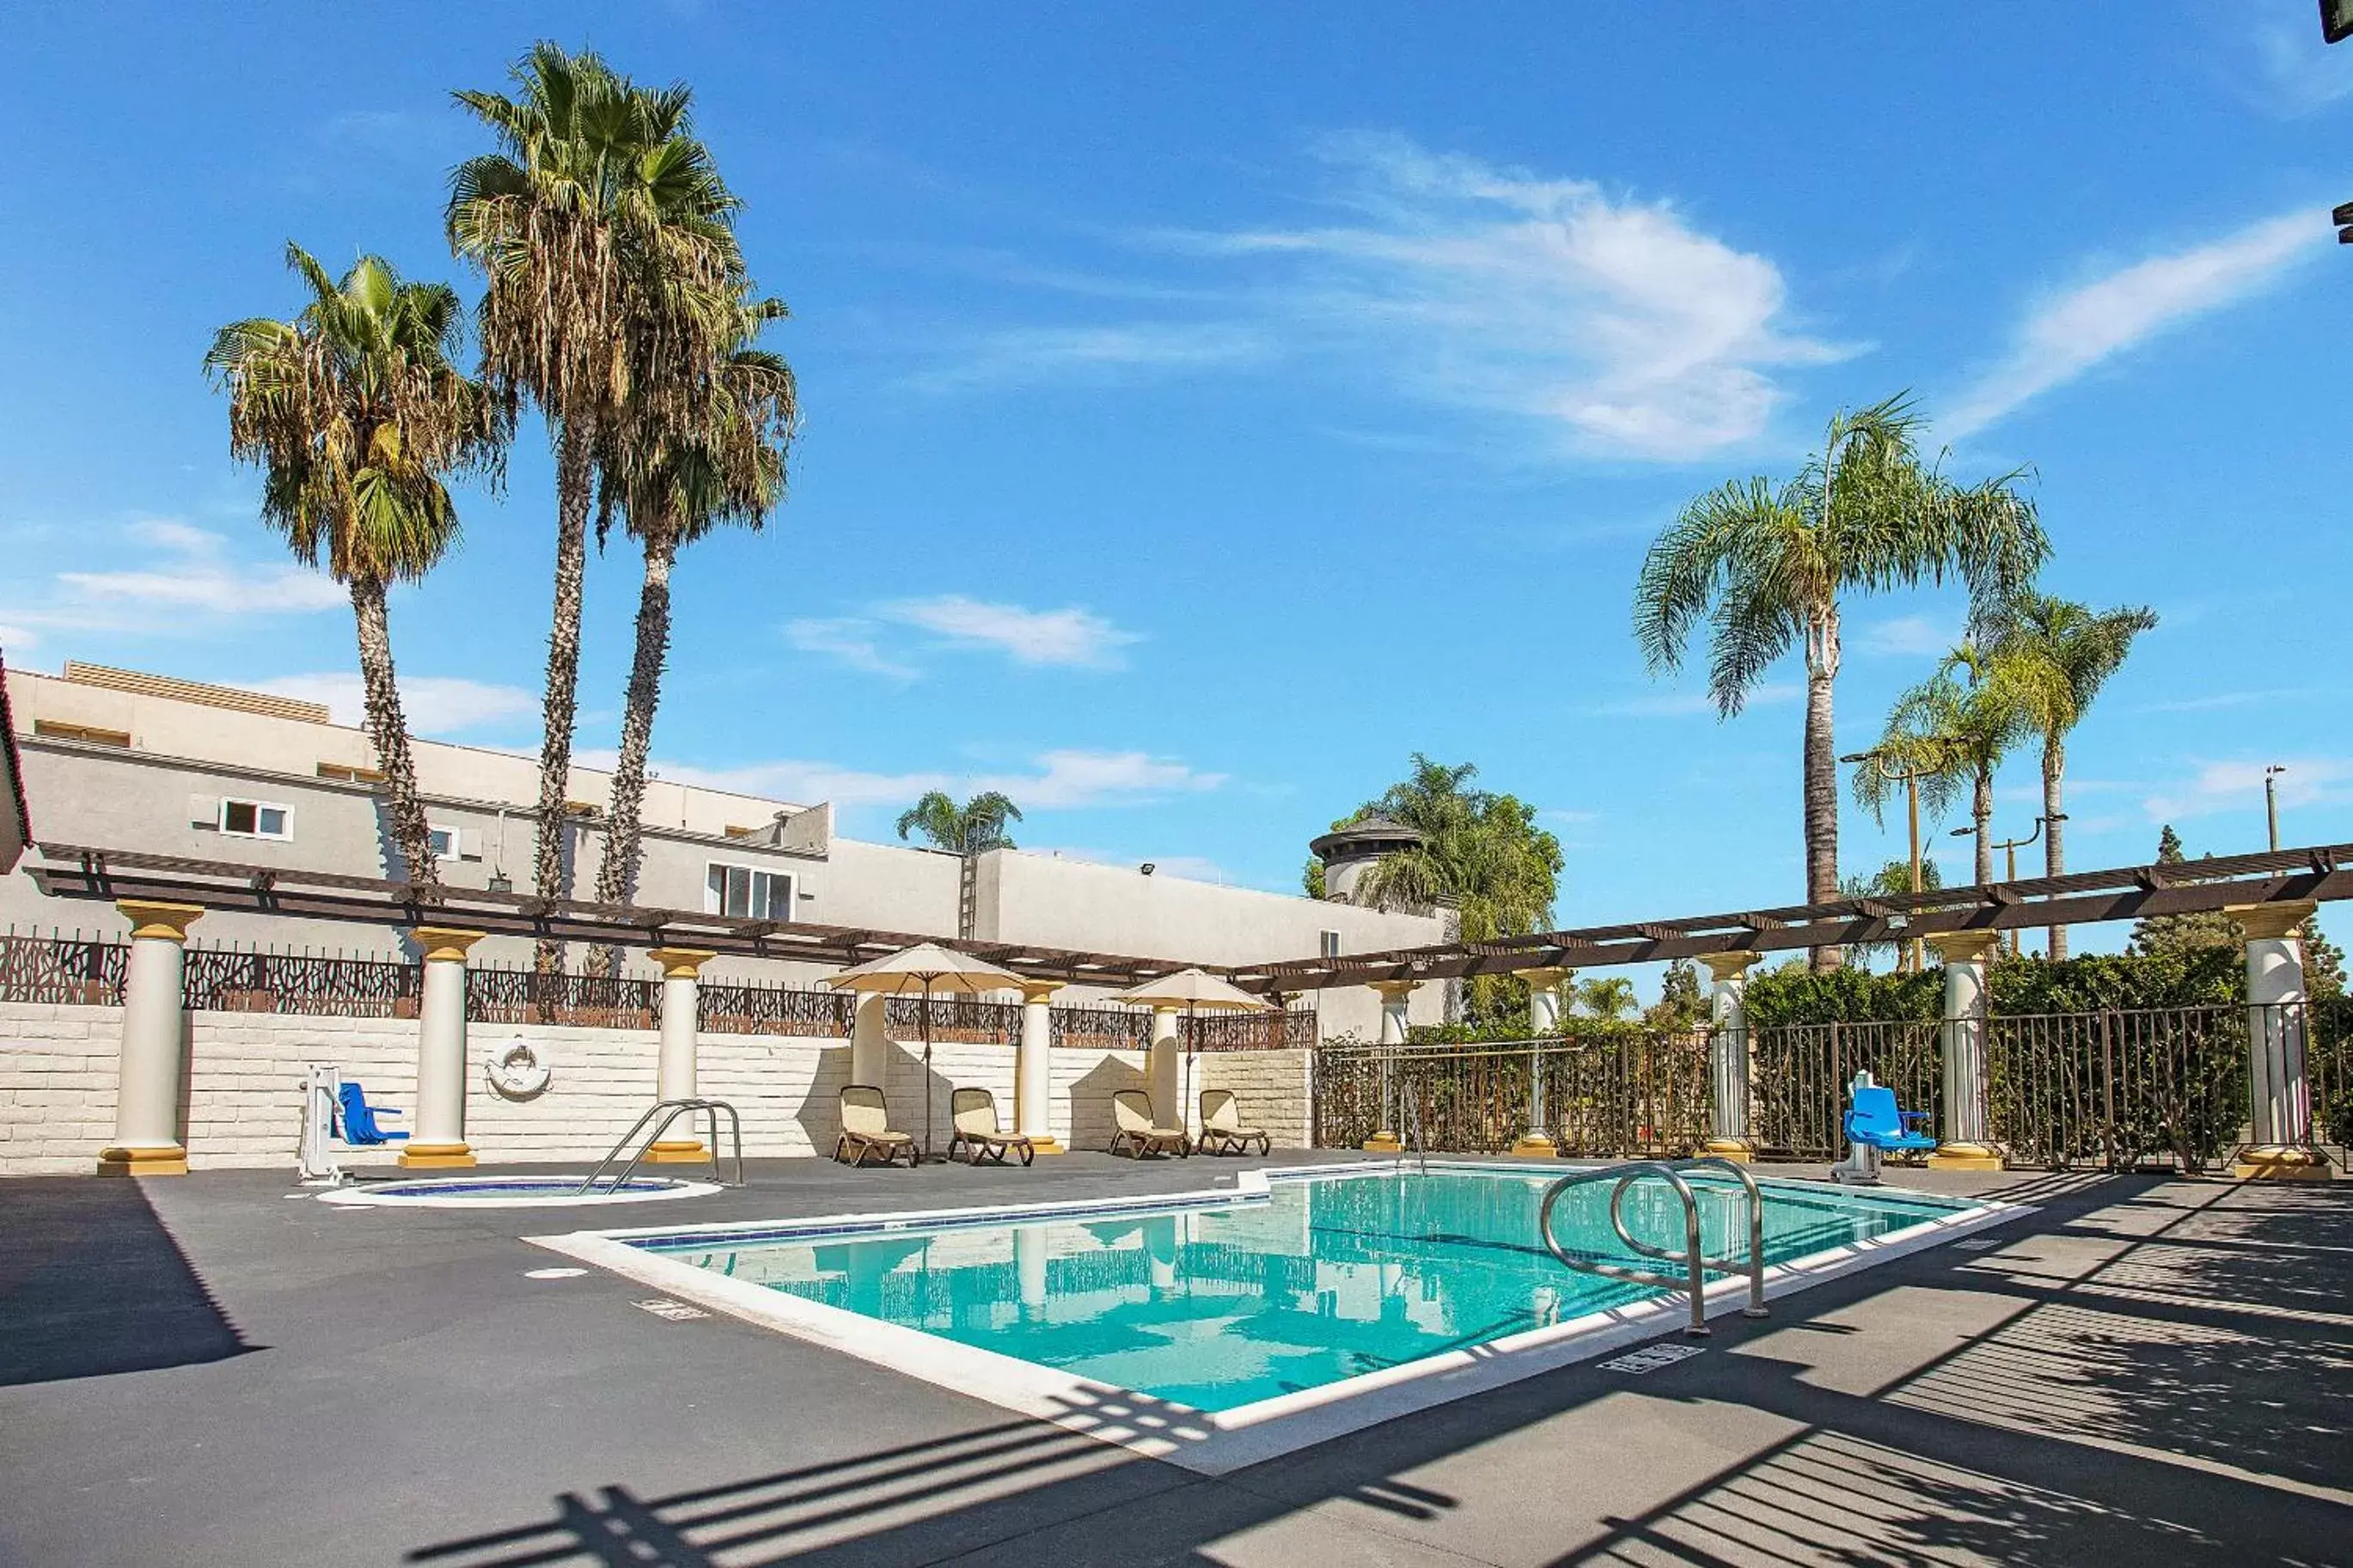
(2009, 848)
(1910, 779)
(2271, 800)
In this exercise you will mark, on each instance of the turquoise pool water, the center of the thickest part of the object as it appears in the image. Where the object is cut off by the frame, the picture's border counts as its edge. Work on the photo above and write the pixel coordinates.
(1220, 1305)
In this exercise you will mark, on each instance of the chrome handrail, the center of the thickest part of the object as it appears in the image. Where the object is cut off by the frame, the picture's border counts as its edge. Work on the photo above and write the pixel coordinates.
(710, 1110)
(1696, 1264)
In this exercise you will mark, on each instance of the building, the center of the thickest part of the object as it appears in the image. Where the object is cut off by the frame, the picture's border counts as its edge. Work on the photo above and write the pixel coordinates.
(119, 760)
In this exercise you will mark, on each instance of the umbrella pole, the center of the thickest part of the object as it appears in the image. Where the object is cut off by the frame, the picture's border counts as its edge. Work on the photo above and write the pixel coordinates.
(925, 1153)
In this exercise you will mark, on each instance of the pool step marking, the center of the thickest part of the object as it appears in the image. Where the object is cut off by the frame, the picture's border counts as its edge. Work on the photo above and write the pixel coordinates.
(1649, 1359)
(1978, 1243)
(675, 1311)
(554, 1273)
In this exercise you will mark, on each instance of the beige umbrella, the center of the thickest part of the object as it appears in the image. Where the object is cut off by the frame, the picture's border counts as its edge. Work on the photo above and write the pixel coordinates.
(926, 968)
(1194, 988)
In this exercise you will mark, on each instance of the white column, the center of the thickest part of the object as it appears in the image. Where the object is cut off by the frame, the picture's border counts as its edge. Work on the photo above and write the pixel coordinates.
(1729, 1065)
(675, 1068)
(1543, 1020)
(1033, 1069)
(1964, 1140)
(438, 1138)
(1164, 1069)
(2280, 1097)
(153, 1063)
(1029, 1267)
(1396, 998)
(869, 1040)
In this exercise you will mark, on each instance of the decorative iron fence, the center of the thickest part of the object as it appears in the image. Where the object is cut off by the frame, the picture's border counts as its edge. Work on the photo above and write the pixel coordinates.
(230, 980)
(497, 994)
(965, 1020)
(1799, 1075)
(83, 972)
(1102, 1028)
(2119, 1089)
(736, 1008)
(1626, 1092)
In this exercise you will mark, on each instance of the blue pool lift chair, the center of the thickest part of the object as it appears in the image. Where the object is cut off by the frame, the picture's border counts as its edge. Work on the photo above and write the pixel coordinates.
(358, 1119)
(1877, 1127)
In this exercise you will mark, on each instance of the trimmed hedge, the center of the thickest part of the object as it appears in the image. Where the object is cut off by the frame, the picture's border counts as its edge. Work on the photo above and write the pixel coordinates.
(2129, 982)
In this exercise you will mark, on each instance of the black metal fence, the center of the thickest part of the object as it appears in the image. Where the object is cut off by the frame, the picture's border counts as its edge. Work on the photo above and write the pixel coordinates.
(1620, 1092)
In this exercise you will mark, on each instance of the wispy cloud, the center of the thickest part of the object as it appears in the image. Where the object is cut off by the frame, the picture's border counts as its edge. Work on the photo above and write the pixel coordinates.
(2075, 330)
(2285, 67)
(2213, 701)
(434, 705)
(854, 642)
(1067, 777)
(2237, 787)
(1071, 637)
(1030, 356)
(194, 583)
(1686, 704)
(1913, 636)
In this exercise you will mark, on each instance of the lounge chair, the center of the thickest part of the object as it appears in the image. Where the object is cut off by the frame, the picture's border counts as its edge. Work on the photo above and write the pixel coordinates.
(1875, 1128)
(974, 1111)
(1140, 1130)
(866, 1129)
(358, 1119)
(1221, 1126)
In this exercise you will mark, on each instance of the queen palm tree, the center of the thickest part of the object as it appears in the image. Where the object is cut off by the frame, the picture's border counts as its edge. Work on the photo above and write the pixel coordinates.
(672, 491)
(1767, 565)
(1975, 708)
(604, 235)
(2059, 653)
(973, 829)
(357, 420)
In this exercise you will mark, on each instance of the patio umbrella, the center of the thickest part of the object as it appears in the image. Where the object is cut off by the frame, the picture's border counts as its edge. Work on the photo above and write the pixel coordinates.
(926, 967)
(1194, 988)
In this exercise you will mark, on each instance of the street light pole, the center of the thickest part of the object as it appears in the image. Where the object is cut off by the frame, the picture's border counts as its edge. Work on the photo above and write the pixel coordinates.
(2009, 848)
(2271, 800)
(1910, 779)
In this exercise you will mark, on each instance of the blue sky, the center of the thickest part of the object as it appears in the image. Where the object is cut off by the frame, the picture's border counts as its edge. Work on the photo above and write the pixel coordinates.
(1207, 408)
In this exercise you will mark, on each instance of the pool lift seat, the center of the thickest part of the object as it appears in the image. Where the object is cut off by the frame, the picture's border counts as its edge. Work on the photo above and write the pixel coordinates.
(1696, 1265)
(1877, 1127)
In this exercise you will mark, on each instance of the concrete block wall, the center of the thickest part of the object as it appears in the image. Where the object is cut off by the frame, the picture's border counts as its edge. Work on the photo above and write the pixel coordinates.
(1271, 1090)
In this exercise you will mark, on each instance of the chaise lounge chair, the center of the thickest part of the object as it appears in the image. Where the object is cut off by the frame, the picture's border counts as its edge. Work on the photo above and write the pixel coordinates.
(358, 1119)
(866, 1129)
(1140, 1130)
(1221, 1126)
(974, 1111)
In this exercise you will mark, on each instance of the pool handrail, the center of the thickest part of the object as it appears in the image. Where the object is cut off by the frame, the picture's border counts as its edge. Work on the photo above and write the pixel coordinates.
(709, 1108)
(1696, 1264)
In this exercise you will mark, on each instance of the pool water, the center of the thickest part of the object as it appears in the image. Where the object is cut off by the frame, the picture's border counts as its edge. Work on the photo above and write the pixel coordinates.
(1221, 1306)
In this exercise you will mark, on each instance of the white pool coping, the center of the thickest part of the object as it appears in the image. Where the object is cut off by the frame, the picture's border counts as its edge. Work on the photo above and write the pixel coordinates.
(1216, 1442)
(387, 1194)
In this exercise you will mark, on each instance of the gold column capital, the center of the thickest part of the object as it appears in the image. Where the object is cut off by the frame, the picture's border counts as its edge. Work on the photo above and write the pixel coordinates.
(1963, 946)
(2264, 922)
(445, 944)
(1040, 990)
(149, 917)
(1726, 966)
(1543, 978)
(1394, 991)
(682, 963)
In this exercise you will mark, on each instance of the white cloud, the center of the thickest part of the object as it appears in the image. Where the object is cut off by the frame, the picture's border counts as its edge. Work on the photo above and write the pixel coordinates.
(852, 641)
(1028, 355)
(2213, 700)
(1909, 634)
(2238, 787)
(204, 578)
(433, 705)
(1096, 778)
(2070, 331)
(1067, 636)
(1683, 705)
(1065, 778)
(2294, 72)
(18, 638)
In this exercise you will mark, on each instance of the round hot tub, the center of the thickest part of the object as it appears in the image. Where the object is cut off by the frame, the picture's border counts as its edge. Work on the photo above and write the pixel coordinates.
(508, 1192)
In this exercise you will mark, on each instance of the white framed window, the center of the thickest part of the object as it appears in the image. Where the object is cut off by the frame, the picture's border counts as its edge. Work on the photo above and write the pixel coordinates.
(1329, 944)
(256, 818)
(449, 842)
(745, 892)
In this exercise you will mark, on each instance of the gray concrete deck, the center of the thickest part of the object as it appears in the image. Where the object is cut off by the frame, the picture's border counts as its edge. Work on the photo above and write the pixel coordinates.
(200, 1371)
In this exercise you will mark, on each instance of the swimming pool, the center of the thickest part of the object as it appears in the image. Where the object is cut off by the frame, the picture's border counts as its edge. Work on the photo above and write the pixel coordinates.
(1216, 1312)
(508, 1192)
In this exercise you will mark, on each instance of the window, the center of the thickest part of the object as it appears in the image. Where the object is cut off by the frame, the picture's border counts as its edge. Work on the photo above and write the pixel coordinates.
(256, 819)
(88, 736)
(1330, 945)
(346, 772)
(444, 841)
(745, 894)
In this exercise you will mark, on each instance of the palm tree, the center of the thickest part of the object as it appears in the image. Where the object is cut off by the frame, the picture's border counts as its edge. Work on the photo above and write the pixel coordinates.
(1768, 564)
(1609, 998)
(1975, 706)
(2059, 653)
(973, 828)
(671, 493)
(604, 235)
(357, 420)
(1893, 878)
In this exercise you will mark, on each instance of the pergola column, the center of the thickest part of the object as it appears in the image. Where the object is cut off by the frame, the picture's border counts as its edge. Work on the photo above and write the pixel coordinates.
(440, 1136)
(1395, 996)
(1543, 1020)
(1729, 1068)
(2279, 1096)
(153, 1062)
(675, 1073)
(1964, 1140)
(869, 1040)
(1164, 1065)
(1033, 1073)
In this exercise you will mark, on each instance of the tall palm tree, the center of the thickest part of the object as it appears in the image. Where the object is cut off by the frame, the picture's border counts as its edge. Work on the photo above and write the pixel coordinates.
(2059, 653)
(973, 829)
(604, 235)
(1975, 706)
(1767, 565)
(670, 492)
(357, 420)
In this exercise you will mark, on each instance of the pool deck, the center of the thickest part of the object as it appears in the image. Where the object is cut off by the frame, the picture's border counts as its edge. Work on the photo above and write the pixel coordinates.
(202, 1371)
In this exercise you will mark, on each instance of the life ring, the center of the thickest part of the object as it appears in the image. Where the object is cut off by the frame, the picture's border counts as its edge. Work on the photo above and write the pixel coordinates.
(517, 1072)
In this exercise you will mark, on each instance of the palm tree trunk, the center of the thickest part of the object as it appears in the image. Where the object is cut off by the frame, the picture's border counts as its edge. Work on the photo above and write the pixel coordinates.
(1981, 813)
(1821, 773)
(388, 729)
(2055, 841)
(616, 874)
(575, 448)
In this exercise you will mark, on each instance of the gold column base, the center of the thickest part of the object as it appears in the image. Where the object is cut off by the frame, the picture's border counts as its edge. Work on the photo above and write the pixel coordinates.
(1537, 1146)
(678, 1151)
(1383, 1143)
(1964, 1157)
(1739, 1151)
(1048, 1146)
(436, 1156)
(147, 1160)
(2283, 1162)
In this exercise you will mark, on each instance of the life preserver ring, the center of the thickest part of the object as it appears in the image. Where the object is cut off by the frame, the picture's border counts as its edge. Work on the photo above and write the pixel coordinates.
(517, 1072)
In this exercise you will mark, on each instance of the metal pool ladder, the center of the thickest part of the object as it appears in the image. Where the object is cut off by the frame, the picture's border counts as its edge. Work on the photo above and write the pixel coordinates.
(670, 1110)
(1696, 1264)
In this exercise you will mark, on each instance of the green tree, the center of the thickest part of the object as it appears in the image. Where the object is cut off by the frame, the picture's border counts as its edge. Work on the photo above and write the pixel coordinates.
(1311, 878)
(671, 490)
(1682, 1003)
(1608, 997)
(1969, 715)
(2176, 936)
(2057, 655)
(358, 420)
(604, 237)
(973, 829)
(1767, 565)
(2324, 963)
(1893, 878)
